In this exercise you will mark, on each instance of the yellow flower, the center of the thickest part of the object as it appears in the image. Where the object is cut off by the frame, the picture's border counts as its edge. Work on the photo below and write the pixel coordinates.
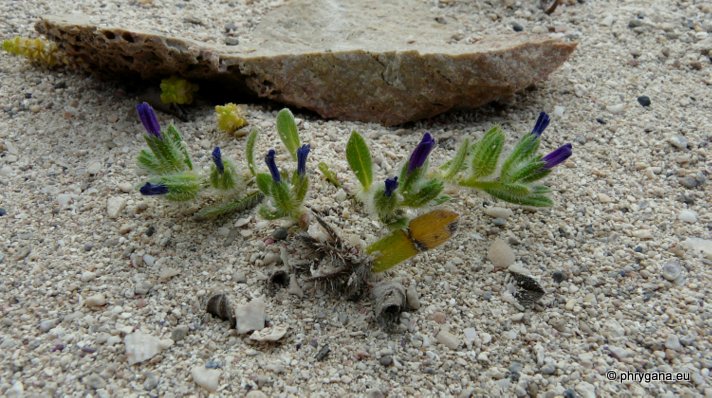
(230, 118)
(175, 90)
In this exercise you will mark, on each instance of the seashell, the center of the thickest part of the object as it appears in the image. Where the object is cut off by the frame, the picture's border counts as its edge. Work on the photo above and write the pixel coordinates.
(390, 300)
(270, 334)
(219, 306)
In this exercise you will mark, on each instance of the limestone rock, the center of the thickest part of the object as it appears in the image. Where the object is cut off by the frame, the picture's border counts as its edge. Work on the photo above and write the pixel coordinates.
(349, 60)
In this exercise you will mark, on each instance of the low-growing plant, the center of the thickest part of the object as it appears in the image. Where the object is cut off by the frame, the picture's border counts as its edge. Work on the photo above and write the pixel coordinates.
(171, 173)
(178, 91)
(38, 51)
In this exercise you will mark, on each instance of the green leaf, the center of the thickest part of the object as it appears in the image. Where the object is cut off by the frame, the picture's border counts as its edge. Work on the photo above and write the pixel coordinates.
(300, 187)
(237, 204)
(287, 129)
(523, 152)
(250, 151)
(359, 159)
(526, 172)
(428, 192)
(177, 140)
(458, 161)
(227, 179)
(269, 214)
(264, 183)
(486, 153)
(282, 198)
(181, 187)
(391, 250)
(329, 175)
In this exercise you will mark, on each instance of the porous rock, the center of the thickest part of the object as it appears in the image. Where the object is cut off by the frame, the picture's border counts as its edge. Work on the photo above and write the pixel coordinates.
(355, 60)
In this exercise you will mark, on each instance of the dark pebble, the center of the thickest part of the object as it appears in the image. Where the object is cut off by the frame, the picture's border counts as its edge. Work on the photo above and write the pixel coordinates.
(280, 234)
(232, 41)
(569, 393)
(687, 199)
(88, 350)
(589, 229)
(88, 247)
(487, 296)
(230, 26)
(558, 276)
(601, 120)
(644, 100)
(150, 230)
(689, 182)
(386, 360)
(323, 353)
(60, 84)
(212, 364)
(517, 27)
(638, 249)
(2, 212)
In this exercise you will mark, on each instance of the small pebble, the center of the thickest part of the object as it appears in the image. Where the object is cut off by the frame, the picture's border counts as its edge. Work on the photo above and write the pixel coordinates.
(280, 233)
(114, 206)
(206, 378)
(517, 27)
(689, 182)
(673, 343)
(688, 216)
(256, 394)
(94, 168)
(386, 360)
(644, 100)
(96, 300)
(179, 333)
(2, 212)
(323, 353)
(678, 141)
(616, 108)
(439, 317)
(125, 187)
(498, 212)
(95, 381)
(213, 364)
(149, 260)
(500, 254)
(448, 339)
(151, 381)
(672, 271)
(239, 277)
(558, 276)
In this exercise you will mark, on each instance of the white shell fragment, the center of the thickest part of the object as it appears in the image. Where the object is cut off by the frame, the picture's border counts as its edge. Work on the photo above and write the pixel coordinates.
(206, 378)
(250, 316)
(500, 254)
(271, 334)
(141, 347)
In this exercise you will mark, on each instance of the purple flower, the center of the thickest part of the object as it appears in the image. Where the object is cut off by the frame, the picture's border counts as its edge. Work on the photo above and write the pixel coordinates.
(217, 159)
(421, 152)
(557, 157)
(302, 153)
(154, 189)
(541, 124)
(269, 159)
(148, 118)
(391, 185)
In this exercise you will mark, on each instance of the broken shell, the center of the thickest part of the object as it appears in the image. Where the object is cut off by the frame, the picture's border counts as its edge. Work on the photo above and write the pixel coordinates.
(219, 306)
(390, 300)
(271, 334)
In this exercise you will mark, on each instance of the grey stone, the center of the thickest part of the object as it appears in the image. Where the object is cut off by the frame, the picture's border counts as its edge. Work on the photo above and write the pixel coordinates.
(95, 381)
(250, 316)
(322, 54)
(179, 333)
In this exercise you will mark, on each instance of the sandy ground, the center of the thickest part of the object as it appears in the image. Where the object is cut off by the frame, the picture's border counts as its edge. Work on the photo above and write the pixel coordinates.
(636, 189)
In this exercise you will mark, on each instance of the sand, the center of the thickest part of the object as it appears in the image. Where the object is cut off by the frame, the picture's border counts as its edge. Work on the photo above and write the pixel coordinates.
(625, 293)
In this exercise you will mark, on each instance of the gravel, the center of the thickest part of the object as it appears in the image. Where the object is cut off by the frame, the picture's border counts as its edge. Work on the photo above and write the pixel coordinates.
(68, 179)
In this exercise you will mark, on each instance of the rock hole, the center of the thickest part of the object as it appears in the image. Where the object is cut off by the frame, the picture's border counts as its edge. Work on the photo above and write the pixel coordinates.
(128, 59)
(128, 37)
(109, 35)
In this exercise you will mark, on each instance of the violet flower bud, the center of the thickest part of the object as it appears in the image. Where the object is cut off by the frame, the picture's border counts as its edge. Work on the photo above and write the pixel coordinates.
(557, 156)
(217, 159)
(302, 153)
(149, 119)
(269, 159)
(391, 185)
(541, 124)
(421, 152)
(153, 189)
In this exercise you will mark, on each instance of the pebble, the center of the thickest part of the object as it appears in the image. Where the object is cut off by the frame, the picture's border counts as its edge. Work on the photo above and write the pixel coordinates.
(673, 343)
(500, 254)
(151, 381)
(167, 273)
(256, 394)
(179, 332)
(448, 339)
(125, 187)
(96, 300)
(141, 346)
(2, 212)
(206, 378)
(439, 317)
(672, 271)
(149, 260)
(411, 297)
(95, 381)
(644, 100)
(688, 216)
(699, 246)
(678, 141)
(250, 316)
(239, 277)
(517, 27)
(63, 199)
(586, 390)
(386, 360)
(94, 168)
(114, 206)
(280, 233)
(470, 336)
(241, 222)
(47, 324)
(603, 198)
(689, 182)
(616, 108)
(142, 287)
